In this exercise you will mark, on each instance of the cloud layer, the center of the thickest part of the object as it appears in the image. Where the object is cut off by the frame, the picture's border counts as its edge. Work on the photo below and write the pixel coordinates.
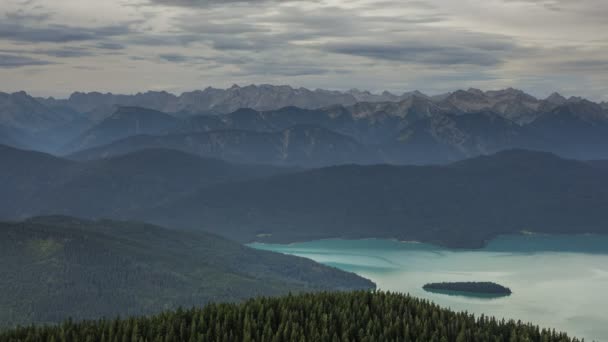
(433, 45)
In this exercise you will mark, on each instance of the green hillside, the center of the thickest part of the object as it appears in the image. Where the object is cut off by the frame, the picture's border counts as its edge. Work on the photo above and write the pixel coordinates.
(357, 316)
(54, 268)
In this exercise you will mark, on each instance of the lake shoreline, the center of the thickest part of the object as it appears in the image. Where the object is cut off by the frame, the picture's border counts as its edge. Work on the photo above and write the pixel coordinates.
(545, 272)
(483, 246)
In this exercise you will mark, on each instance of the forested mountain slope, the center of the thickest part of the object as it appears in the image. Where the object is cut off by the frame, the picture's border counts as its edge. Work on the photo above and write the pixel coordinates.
(56, 267)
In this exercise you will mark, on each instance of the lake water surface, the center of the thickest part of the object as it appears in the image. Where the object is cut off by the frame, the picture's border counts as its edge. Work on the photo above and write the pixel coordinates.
(557, 281)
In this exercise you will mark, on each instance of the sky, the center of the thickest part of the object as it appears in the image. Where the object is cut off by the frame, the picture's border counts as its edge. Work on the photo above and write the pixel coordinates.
(55, 47)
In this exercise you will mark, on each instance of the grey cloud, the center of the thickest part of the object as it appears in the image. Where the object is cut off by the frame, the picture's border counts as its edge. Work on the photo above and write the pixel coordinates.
(191, 23)
(14, 61)
(281, 70)
(177, 39)
(21, 15)
(280, 29)
(174, 58)
(207, 3)
(415, 52)
(256, 43)
(110, 46)
(552, 5)
(592, 64)
(179, 58)
(590, 9)
(64, 52)
(54, 33)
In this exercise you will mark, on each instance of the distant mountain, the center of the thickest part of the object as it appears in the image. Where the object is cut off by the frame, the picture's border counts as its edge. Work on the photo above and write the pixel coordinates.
(27, 123)
(261, 97)
(556, 99)
(459, 205)
(25, 175)
(55, 268)
(446, 137)
(411, 128)
(125, 122)
(574, 129)
(23, 112)
(417, 130)
(512, 104)
(12, 137)
(212, 100)
(358, 130)
(385, 96)
(604, 105)
(35, 183)
(301, 145)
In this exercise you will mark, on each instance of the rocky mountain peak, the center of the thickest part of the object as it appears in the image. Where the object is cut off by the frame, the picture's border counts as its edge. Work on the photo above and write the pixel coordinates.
(575, 99)
(475, 91)
(556, 98)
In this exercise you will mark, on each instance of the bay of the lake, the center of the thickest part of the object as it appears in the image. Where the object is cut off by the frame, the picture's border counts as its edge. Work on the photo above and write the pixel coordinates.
(559, 282)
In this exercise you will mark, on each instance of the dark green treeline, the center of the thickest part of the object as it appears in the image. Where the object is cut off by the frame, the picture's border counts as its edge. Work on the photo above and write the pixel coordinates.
(356, 316)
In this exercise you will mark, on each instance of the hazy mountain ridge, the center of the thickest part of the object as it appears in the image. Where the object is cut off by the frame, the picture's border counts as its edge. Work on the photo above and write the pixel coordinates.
(28, 123)
(22, 111)
(301, 145)
(35, 183)
(214, 100)
(514, 104)
(459, 205)
(123, 123)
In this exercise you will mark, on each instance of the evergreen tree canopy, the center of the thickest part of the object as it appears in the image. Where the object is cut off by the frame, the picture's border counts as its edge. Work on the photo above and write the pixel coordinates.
(354, 316)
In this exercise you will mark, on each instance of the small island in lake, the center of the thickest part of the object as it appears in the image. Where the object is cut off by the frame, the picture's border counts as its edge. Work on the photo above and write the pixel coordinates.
(474, 289)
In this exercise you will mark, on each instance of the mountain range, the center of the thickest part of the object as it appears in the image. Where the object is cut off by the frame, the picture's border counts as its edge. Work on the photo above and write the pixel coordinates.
(414, 131)
(330, 127)
(460, 204)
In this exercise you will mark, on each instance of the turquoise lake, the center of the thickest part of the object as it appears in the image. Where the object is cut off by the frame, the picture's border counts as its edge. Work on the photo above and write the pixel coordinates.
(557, 281)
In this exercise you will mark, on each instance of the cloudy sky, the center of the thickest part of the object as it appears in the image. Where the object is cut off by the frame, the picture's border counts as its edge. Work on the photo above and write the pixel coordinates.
(125, 46)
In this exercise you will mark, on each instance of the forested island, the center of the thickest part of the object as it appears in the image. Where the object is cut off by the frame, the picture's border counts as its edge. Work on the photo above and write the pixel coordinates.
(474, 288)
(339, 316)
